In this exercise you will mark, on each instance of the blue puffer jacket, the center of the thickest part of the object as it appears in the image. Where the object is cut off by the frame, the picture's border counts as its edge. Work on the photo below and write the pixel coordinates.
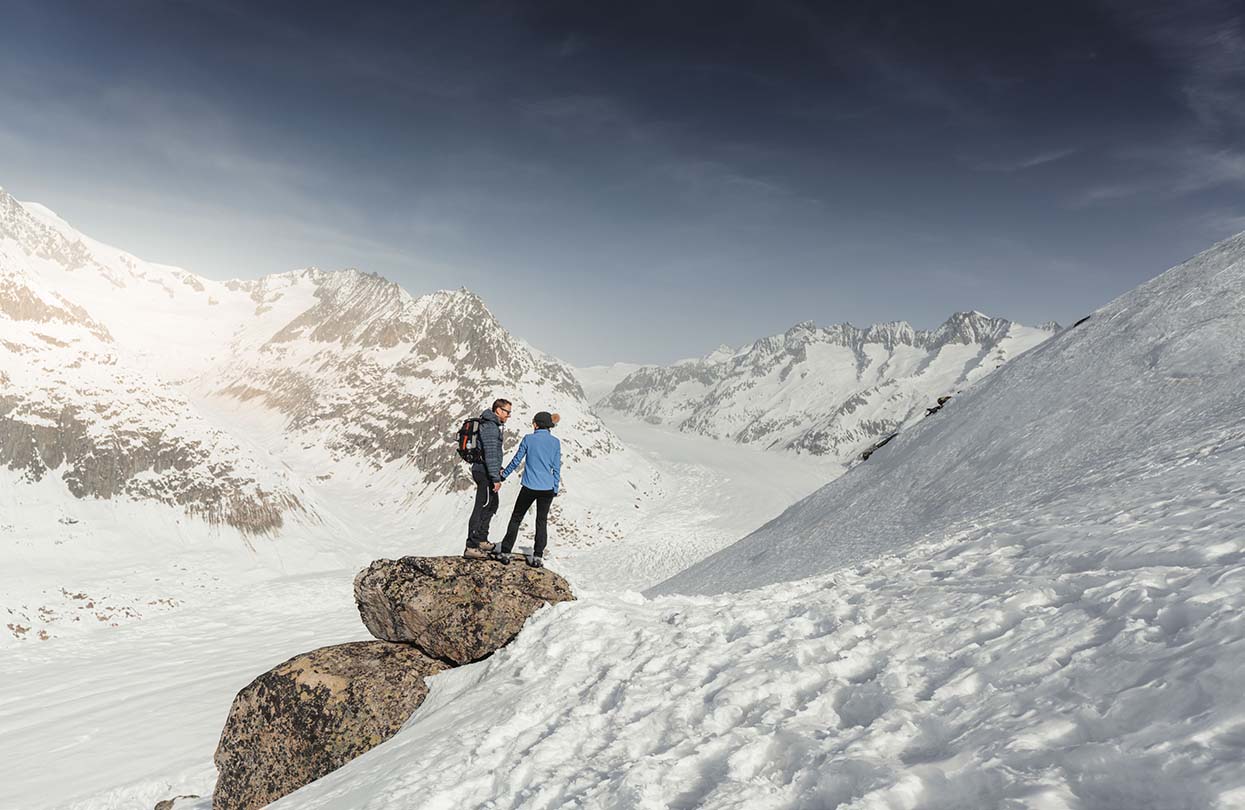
(543, 469)
(491, 444)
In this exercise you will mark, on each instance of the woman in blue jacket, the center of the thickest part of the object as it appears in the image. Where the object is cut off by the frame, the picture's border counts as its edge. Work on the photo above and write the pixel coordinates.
(542, 475)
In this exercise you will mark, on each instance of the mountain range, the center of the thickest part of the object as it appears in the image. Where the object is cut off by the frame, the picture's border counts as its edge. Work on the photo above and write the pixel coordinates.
(316, 398)
(826, 391)
(249, 403)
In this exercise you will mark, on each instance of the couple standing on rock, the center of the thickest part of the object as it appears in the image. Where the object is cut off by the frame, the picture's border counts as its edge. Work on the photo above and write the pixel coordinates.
(541, 455)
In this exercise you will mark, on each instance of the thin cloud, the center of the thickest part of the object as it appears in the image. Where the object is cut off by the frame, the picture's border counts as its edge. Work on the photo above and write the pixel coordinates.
(1022, 163)
(1205, 43)
(578, 113)
(1205, 168)
(601, 118)
(1169, 171)
(894, 76)
(1109, 192)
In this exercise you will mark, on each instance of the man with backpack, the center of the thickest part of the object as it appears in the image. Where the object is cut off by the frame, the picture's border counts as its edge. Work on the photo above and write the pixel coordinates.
(486, 472)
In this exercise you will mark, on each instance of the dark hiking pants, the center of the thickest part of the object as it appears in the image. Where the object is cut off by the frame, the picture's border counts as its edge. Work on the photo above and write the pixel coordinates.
(543, 499)
(484, 509)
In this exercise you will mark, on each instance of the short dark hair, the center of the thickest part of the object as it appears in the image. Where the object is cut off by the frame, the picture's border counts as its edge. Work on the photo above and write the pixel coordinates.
(500, 403)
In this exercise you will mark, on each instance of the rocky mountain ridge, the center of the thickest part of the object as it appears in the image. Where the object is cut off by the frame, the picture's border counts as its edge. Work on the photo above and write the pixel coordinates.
(241, 400)
(828, 391)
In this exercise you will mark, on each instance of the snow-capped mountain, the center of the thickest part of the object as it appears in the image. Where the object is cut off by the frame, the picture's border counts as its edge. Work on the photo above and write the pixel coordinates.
(1108, 427)
(251, 402)
(75, 404)
(828, 391)
(369, 373)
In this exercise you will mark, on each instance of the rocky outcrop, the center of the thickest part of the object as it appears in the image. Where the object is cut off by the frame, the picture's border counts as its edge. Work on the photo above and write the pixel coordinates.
(319, 710)
(313, 714)
(453, 609)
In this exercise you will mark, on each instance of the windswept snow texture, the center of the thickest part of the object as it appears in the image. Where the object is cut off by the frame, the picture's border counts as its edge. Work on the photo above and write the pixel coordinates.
(823, 391)
(1112, 422)
(1019, 664)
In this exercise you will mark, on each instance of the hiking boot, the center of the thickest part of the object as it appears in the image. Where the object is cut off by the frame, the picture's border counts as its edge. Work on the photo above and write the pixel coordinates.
(501, 557)
(535, 562)
(474, 553)
(487, 546)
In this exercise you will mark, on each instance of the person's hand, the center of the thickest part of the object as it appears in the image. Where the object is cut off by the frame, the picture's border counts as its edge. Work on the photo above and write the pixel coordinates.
(497, 487)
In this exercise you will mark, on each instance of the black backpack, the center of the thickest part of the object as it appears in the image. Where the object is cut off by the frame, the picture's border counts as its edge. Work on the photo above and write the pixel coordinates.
(468, 442)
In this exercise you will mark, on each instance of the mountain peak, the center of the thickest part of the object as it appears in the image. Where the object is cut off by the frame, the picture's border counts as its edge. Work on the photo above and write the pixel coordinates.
(719, 355)
(461, 304)
(970, 327)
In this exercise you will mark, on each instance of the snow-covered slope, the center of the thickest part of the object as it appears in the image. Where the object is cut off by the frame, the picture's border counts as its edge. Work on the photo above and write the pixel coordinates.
(77, 405)
(827, 391)
(1104, 421)
(1060, 627)
(1038, 604)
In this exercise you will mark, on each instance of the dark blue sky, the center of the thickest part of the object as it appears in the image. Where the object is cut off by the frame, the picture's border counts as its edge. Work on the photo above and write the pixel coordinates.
(645, 182)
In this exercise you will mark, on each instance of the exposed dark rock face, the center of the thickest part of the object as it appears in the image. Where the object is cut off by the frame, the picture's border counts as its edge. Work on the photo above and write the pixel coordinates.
(313, 714)
(196, 472)
(865, 455)
(19, 302)
(80, 411)
(391, 373)
(453, 609)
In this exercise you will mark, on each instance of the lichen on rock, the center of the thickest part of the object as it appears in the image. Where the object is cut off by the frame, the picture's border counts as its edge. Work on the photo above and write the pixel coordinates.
(313, 714)
(454, 609)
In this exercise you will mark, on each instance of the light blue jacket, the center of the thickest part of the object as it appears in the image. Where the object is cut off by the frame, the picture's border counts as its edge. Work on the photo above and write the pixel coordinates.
(543, 469)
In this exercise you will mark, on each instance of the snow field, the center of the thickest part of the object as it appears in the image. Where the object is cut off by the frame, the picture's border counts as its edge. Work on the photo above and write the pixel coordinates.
(1069, 661)
(121, 720)
(705, 495)
(131, 708)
